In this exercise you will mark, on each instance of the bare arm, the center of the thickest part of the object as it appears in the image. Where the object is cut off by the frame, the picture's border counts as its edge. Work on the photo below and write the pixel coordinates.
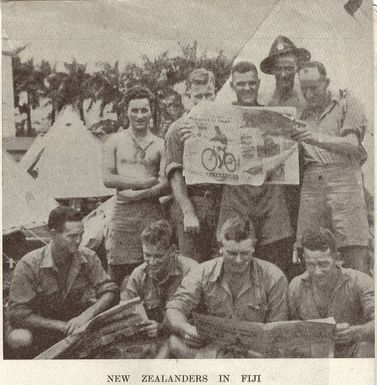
(160, 189)
(346, 145)
(179, 188)
(34, 321)
(177, 322)
(111, 179)
(103, 303)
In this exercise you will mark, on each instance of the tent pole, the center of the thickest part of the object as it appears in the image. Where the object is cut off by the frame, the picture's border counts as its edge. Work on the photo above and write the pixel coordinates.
(35, 235)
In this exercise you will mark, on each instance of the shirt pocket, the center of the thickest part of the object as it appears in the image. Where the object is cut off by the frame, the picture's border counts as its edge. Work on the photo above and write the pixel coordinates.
(255, 312)
(219, 306)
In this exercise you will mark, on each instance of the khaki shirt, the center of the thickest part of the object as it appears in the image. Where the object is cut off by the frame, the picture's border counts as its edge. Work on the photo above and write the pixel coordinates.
(35, 289)
(155, 294)
(344, 115)
(263, 298)
(352, 300)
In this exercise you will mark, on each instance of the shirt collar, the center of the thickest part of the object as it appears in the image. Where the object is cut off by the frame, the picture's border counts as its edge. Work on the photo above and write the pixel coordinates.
(219, 269)
(173, 271)
(49, 263)
(334, 99)
(343, 277)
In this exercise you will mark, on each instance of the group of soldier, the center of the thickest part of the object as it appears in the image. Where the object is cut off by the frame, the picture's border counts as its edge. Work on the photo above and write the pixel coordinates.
(221, 250)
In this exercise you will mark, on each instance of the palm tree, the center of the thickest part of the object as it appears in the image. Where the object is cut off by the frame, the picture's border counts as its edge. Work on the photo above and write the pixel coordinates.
(67, 88)
(106, 85)
(26, 79)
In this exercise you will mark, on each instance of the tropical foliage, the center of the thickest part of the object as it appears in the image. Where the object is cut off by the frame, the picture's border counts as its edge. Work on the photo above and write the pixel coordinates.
(107, 84)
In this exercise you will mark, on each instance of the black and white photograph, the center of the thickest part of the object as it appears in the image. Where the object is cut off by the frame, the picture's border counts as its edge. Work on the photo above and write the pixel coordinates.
(188, 179)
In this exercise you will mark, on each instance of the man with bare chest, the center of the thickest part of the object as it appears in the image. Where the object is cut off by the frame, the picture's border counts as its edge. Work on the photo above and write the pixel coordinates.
(132, 163)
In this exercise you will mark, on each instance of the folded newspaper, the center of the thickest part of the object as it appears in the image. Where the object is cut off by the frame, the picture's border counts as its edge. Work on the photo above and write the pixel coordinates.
(116, 323)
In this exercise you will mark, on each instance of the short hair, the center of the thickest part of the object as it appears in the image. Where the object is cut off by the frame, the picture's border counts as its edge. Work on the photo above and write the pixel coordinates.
(314, 64)
(158, 233)
(200, 77)
(243, 67)
(318, 239)
(138, 92)
(237, 229)
(60, 215)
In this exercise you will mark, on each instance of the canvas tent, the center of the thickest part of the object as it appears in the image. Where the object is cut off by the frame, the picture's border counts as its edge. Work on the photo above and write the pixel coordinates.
(342, 42)
(25, 203)
(68, 160)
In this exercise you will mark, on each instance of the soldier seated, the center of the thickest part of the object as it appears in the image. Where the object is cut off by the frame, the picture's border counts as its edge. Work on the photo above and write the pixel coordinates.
(235, 286)
(50, 294)
(158, 278)
(328, 290)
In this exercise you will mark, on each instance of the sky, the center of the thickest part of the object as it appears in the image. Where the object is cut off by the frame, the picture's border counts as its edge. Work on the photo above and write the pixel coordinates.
(94, 31)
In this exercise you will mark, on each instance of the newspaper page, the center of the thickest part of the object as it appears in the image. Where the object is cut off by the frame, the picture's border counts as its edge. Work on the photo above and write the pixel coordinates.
(188, 192)
(242, 145)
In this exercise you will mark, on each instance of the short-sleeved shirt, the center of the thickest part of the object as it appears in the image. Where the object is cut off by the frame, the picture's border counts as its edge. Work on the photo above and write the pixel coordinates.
(343, 116)
(352, 300)
(35, 289)
(155, 294)
(174, 147)
(263, 297)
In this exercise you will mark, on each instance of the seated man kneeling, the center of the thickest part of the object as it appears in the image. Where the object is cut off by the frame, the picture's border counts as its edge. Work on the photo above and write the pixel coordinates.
(158, 278)
(236, 286)
(328, 290)
(50, 294)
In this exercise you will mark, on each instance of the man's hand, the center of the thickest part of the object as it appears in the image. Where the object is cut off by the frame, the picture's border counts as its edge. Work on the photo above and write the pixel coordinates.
(186, 130)
(132, 195)
(75, 324)
(346, 334)
(191, 223)
(149, 328)
(191, 337)
(307, 136)
(62, 327)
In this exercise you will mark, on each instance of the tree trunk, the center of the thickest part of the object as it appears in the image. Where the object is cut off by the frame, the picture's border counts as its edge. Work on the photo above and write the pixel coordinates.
(29, 128)
(53, 114)
(80, 106)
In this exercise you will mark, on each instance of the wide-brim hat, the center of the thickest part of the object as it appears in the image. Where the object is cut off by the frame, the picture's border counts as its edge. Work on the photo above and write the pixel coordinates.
(282, 45)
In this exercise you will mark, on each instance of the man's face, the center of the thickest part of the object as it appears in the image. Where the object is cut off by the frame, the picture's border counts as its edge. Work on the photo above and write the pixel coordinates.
(285, 68)
(246, 86)
(139, 113)
(237, 255)
(313, 86)
(320, 265)
(156, 258)
(197, 93)
(70, 238)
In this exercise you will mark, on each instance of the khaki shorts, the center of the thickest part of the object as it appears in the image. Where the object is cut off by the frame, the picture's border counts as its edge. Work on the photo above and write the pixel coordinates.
(264, 206)
(332, 196)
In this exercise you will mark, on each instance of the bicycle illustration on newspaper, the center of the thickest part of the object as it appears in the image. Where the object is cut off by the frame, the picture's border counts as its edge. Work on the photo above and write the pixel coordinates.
(217, 156)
